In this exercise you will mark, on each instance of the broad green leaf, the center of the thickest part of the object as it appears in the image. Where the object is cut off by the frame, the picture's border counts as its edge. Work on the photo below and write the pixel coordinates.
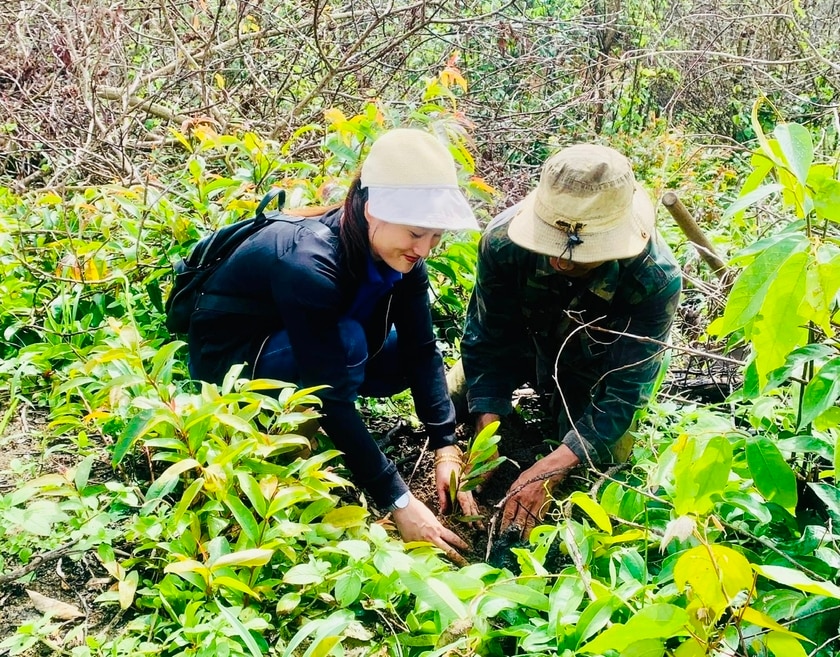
(657, 621)
(756, 617)
(319, 629)
(435, 594)
(593, 619)
(761, 167)
(825, 189)
(253, 492)
(141, 424)
(246, 558)
(186, 500)
(240, 630)
(592, 509)
(797, 580)
(306, 573)
(522, 595)
(644, 648)
(691, 648)
(187, 566)
(795, 361)
(797, 148)
(163, 359)
(770, 472)
(346, 516)
(347, 588)
(822, 285)
(224, 582)
(748, 293)
(784, 644)
(699, 478)
(245, 518)
(715, 573)
(750, 198)
(778, 328)
(169, 476)
(821, 393)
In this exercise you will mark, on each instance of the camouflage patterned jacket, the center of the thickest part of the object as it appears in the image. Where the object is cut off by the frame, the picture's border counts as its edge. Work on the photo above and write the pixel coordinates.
(524, 317)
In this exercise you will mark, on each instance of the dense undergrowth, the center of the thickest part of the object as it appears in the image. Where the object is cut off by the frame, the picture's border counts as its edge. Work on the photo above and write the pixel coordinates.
(221, 534)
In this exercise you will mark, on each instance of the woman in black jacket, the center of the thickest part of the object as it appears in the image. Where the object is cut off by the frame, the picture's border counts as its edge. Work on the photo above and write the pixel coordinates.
(346, 304)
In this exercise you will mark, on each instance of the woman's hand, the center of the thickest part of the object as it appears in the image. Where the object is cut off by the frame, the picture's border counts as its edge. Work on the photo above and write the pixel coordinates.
(449, 461)
(417, 523)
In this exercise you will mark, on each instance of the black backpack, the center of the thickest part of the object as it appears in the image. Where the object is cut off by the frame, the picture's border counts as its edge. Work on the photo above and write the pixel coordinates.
(191, 273)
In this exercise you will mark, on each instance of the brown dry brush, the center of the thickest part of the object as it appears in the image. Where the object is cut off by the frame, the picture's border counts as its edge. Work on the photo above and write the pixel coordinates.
(88, 88)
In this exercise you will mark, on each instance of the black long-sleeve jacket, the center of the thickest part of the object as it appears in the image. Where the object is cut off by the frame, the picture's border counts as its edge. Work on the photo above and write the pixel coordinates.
(297, 273)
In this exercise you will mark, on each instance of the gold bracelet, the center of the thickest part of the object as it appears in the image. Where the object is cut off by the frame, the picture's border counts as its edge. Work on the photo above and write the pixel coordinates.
(449, 458)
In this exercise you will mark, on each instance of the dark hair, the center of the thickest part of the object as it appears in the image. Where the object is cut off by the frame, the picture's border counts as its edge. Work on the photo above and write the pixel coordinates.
(353, 231)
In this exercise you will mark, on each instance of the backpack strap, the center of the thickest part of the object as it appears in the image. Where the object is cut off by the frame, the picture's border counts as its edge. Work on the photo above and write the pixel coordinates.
(237, 305)
(274, 192)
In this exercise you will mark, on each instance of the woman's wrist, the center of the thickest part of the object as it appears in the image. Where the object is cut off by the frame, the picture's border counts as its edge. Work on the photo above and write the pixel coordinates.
(449, 453)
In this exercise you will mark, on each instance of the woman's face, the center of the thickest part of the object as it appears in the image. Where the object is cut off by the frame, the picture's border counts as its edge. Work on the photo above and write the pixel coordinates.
(398, 246)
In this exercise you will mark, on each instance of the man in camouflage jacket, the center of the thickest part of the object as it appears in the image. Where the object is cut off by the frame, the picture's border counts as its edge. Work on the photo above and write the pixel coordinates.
(574, 288)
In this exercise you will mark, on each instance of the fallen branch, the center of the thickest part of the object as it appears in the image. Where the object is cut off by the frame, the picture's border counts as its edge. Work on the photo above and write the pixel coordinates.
(37, 561)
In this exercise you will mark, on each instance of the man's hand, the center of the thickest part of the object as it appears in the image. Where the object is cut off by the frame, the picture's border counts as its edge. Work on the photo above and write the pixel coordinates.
(449, 465)
(484, 419)
(416, 523)
(528, 501)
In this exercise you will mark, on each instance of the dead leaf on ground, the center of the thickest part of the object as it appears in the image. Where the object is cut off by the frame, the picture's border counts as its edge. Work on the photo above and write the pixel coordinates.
(53, 607)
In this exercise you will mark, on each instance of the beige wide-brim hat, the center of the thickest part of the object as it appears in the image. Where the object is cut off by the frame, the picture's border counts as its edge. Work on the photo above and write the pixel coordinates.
(411, 180)
(586, 208)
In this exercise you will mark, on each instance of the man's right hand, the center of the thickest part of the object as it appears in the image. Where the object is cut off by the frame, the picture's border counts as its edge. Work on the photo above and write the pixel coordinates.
(417, 523)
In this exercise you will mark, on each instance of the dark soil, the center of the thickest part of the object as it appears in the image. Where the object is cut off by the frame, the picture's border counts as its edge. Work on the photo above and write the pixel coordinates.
(526, 435)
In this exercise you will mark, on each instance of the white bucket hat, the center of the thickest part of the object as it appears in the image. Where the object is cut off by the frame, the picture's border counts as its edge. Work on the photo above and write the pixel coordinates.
(586, 208)
(411, 180)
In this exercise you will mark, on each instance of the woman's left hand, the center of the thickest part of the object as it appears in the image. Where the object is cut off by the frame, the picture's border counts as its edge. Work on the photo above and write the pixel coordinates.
(449, 462)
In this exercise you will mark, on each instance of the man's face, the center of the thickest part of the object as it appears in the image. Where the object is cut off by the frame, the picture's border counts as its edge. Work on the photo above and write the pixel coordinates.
(573, 269)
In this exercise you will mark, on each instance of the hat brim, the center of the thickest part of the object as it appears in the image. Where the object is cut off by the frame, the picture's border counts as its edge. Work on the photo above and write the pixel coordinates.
(626, 240)
(436, 208)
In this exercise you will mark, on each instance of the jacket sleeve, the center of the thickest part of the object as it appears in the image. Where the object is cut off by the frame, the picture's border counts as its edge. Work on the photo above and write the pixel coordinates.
(307, 292)
(495, 340)
(419, 351)
(632, 367)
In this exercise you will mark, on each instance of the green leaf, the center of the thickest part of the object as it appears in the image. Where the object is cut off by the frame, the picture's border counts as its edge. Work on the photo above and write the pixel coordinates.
(748, 293)
(346, 516)
(186, 500)
(240, 630)
(224, 582)
(592, 509)
(797, 148)
(770, 472)
(593, 619)
(163, 360)
(644, 648)
(139, 426)
(657, 621)
(784, 645)
(322, 628)
(306, 573)
(244, 518)
(522, 595)
(699, 478)
(163, 483)
(246, 558)
(347, 588)
(715, 575)
(797, 580)
(253, 492)
(80, 479)
(436, 594)
(779, 328)
(821, 393)
(751, 198)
